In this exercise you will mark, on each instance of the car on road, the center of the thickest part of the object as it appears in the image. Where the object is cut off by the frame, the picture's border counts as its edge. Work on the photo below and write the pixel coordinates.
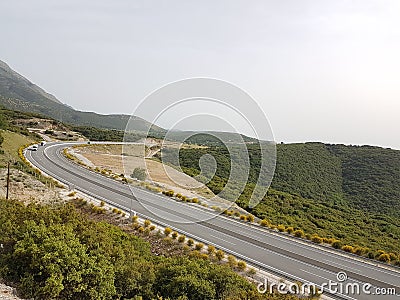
(33, 148)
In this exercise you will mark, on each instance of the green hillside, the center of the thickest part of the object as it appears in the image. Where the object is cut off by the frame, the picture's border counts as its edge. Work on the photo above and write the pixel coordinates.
(345, 192)
(13, 136)
(366, 178)
(309, 170)
(371, 177)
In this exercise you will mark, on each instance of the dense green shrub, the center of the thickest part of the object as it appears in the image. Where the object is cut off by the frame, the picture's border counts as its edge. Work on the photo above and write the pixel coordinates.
(139, 174)
(57, 253)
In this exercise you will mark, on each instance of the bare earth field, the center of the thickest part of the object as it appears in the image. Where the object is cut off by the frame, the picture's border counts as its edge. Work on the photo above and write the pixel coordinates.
(123, 159)
(27, 189)
(110, 157)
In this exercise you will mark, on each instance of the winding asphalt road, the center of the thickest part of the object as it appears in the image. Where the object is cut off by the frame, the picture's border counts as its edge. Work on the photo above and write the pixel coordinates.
(270, 251)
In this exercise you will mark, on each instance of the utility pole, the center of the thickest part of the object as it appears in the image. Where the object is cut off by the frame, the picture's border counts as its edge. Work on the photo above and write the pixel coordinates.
(8, 179)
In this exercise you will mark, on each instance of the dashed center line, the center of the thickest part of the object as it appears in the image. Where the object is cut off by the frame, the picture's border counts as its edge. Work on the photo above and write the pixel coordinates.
(229, 242)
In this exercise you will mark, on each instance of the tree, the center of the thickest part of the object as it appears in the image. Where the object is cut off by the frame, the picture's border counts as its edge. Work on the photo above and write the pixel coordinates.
(139, 174)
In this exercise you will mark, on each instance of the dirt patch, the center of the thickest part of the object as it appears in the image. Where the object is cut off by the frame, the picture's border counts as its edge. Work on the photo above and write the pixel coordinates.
(109, 157)
(27, 188)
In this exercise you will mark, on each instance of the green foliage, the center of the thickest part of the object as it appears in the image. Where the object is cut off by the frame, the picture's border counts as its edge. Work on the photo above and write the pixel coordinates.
(309, 170)
(346, 225)
(8, 118)
(371, 177)
(347, 193)
(57, 253)
(110, 135)
(200, 280)
(139, 173)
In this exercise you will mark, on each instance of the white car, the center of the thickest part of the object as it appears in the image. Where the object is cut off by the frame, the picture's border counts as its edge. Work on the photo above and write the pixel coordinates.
(33, 148)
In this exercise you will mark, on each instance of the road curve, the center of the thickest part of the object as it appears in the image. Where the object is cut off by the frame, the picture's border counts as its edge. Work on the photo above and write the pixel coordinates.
(267, 250)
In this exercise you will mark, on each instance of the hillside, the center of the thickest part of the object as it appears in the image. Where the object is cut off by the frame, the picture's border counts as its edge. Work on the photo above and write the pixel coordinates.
(345, 192)
(18, 93)
(366, 178)
(14, 85)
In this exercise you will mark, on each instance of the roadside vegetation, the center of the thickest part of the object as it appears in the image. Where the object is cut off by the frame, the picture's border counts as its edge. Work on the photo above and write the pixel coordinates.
(110, 135)
(58, 253)
(13, 136)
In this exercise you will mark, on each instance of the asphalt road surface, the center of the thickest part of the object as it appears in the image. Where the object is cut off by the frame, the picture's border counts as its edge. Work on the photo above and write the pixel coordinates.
(267, 250)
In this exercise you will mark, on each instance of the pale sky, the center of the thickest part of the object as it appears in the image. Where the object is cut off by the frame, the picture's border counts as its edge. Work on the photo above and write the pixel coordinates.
(321, 70)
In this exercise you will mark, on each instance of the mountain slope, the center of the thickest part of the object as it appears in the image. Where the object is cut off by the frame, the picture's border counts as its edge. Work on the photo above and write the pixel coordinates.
(367, 178)
(18, 93)
(14, 85)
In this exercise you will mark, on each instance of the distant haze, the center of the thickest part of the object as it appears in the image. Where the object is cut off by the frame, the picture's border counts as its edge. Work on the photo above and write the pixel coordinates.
(321, 70)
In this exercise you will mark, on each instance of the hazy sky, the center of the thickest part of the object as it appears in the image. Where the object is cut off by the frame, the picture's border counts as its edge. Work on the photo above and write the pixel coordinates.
(321, 70)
